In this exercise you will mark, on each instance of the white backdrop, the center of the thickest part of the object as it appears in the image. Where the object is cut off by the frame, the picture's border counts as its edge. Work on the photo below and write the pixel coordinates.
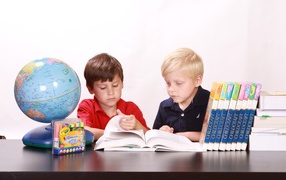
(239, 40)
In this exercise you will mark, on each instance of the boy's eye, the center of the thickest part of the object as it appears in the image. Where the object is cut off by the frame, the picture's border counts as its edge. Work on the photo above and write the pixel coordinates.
(102, 88)
(179, 83)
(115, 85)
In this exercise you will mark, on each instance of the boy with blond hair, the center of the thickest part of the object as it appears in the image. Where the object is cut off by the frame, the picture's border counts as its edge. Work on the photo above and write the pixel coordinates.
(183, 113)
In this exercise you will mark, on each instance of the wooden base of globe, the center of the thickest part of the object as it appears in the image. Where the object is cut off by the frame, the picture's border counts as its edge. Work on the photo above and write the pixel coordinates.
(42, 137)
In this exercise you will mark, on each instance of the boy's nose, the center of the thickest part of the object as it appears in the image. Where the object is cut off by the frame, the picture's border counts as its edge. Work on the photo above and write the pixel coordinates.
(110, 91)
(171, 89)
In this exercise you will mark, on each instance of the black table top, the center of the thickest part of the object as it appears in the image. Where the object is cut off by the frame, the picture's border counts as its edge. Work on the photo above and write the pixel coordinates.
(24, 162)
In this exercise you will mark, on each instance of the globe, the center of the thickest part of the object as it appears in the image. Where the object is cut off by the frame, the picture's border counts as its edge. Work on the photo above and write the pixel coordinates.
(47, 90)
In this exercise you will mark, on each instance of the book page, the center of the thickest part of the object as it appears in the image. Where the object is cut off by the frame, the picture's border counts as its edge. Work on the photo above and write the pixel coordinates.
(277, 93)
(130, 148)
(114, 136)
(196, 147)
(155, 133)
(168, 141)
(114, 131)
(129, 142)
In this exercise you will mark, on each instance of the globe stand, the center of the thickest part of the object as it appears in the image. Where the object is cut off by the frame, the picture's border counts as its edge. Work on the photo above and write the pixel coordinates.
(42, 137)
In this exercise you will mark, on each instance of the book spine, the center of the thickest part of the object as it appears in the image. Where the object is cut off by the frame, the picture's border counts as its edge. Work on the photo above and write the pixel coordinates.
(219, 129)
(223, 115)
(245, 88)
(217, 116)
(256, 88)
(235, 116)
(237, 129)
(229, 117)
(232, 129)
(242, 129)
(246, 117)
(210, 114)
(209, 128)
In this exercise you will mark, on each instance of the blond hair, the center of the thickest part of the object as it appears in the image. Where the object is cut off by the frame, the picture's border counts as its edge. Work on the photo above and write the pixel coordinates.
(184, 59)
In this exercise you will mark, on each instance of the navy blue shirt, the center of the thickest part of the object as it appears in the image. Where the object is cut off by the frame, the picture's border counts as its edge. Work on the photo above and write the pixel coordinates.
(191, 119)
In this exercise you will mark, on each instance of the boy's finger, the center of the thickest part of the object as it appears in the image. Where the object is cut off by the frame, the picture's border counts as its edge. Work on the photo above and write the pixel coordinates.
(119, 112)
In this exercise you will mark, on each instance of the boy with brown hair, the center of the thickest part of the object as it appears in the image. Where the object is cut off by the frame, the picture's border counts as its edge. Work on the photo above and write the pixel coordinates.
(104, 78)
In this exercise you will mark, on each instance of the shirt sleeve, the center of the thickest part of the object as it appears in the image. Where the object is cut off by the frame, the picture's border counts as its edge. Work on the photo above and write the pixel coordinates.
(158, 123)
(84, 113)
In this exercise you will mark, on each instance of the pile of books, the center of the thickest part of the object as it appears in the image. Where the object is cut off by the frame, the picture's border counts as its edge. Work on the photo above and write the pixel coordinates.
(230, 115)
(269, 127)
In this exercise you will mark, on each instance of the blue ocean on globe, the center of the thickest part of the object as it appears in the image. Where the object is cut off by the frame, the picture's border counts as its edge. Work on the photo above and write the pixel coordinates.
(47, 89)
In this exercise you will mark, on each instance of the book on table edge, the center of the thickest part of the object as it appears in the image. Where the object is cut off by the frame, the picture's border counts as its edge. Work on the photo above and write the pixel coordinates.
(256, 90)
(117, 139)
(268, 130)
(234, 119)
(229, 117)
(210, 114)
(267, 113)
(271, 121)
(267, 142)
(237, 132)
(223, 116)
(217, 116)
(272, 100)
(235, 116)
(246, 116)
(242, 116)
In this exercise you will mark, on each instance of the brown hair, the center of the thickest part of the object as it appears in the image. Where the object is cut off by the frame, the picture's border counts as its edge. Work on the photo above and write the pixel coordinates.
(102, 67)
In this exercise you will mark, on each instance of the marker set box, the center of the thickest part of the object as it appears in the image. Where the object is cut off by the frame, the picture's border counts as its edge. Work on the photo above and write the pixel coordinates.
(68, 136)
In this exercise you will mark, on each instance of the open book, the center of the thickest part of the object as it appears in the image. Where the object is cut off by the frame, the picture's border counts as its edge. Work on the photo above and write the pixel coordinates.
(117, 139)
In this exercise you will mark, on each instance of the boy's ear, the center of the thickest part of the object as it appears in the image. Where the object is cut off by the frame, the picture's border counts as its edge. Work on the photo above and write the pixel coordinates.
(89, 89)
(198, 80)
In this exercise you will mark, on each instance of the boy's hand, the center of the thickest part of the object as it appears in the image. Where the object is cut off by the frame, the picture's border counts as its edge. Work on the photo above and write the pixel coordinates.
(167, 129)
(127, 122)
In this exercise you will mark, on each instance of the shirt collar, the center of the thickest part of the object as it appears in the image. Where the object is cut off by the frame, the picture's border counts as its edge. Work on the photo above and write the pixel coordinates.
(97, 107)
